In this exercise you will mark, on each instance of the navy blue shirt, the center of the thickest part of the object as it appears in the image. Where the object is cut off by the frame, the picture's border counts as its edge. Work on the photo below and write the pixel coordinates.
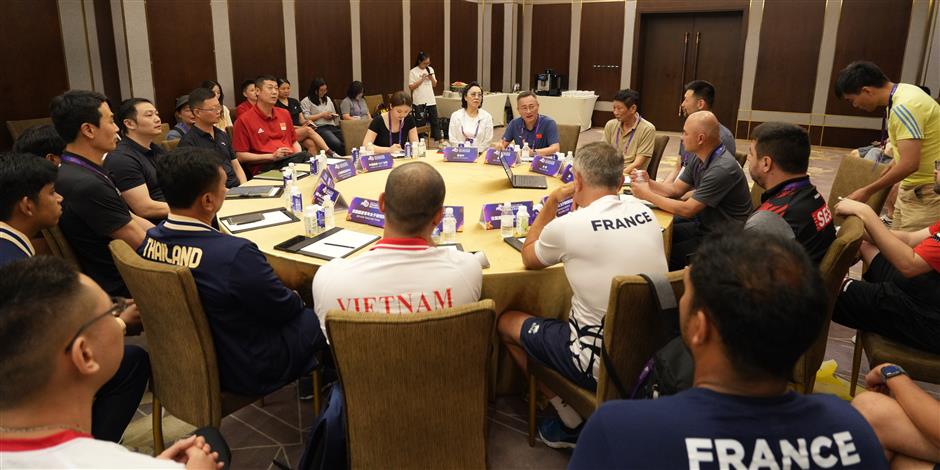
(264, 337)
(700, 428)
(544, 133)
(13, 245)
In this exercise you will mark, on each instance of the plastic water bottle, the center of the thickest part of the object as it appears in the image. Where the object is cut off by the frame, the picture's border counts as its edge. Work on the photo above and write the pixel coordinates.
(296, 200)
(329, 217)
(449, 233)
(436, 235)
(314, 165)
(423, 147)
(310, 221)
(506, 219)
(407, 149)
(321, 219)
(355, 155)
(288, 178)
(526, 152)
(522, 222)
(569, 158)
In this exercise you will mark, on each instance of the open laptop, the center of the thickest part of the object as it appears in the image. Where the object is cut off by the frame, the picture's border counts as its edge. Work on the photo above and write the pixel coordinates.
(523, 181)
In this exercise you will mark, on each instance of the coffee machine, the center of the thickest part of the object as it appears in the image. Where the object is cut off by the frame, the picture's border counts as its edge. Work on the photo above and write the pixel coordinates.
(549, 83)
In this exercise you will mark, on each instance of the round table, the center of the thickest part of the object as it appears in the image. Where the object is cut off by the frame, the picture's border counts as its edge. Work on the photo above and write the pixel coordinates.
(471, 185)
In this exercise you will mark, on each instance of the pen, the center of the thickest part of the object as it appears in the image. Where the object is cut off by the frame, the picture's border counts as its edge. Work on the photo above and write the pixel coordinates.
(334, 244)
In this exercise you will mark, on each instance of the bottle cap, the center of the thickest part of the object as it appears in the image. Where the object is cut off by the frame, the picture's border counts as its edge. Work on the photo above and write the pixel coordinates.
(448, 211)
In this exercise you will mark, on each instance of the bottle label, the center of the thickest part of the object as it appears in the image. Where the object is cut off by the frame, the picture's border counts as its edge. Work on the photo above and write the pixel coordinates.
(489, 215)
(458, 214)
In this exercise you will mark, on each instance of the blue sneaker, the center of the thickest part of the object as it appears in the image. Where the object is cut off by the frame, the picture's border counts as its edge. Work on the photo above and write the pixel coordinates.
(556, 435)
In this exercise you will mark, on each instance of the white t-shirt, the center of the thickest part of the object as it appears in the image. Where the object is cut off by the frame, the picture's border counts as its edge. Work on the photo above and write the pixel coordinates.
(69, 449)
(424, 94)
(463, 128)
(608, 238)
(398, 276)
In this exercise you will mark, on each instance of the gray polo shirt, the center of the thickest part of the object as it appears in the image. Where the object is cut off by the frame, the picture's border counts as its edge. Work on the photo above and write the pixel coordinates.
(727, 139)
(722, 187)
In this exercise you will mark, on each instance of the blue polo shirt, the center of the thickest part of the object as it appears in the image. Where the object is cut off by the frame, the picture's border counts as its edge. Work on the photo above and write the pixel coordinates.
(14, 245)
(544, 133)
(264, 337)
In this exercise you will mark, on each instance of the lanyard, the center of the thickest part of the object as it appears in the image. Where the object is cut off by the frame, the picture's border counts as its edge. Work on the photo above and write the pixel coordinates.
(69, 158)
(718, 151)
(477, 131)
(884, 119)
(638, 119)
(798, 184)
(535, 130)
(401, 126)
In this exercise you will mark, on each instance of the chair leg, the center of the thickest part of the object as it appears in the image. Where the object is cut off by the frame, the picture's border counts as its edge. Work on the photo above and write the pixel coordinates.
(316, 392)
(533, 403)
(856, 362)
(261, 402)
(157, 417)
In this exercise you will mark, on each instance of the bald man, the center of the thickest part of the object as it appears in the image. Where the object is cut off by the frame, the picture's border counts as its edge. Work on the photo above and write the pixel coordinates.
(721, 200)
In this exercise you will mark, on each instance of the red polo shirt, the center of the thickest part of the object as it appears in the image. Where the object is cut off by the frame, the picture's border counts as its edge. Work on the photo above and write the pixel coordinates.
(243, 109)
(256, 133)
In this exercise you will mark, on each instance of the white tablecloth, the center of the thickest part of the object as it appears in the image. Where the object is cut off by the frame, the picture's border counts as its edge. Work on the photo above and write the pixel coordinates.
(563, 109)
(493, 103)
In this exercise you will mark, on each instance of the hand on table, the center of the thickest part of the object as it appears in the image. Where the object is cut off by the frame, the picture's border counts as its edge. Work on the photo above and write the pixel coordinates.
(395, 148)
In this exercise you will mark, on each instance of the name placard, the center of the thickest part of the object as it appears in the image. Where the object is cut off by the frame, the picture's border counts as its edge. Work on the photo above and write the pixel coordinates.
(563, 208)
(489, 215)
(493, 155)
(370, 163)
(322, 192)
(567, 174)
(458, 214)
(461, 154)
(365, 211)
(342, 170)
(547, 166)
(327, 178)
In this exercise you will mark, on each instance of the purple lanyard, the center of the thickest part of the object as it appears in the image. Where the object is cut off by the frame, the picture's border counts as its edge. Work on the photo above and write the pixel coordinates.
(718, 151)
(535, 130)
(799, 184)
(884, 119)
(401, 127)
(638, 120)
(67, 158)
(477, 131)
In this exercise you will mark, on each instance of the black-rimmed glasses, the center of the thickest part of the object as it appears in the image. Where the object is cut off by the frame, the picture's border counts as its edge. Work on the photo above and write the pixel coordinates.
(120, 305)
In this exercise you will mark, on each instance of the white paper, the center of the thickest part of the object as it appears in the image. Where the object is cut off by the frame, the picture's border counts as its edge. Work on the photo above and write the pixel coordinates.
(339, 244)
(270, 218)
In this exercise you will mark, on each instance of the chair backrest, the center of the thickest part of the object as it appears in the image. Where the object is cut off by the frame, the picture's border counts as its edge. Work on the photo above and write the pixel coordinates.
(354, 130)
(853, 173)
(756, 192)
(17, 127)
(568, 135)
(169, 145)
(659, 146)
(373, 102)
(164, 130)
(840, 256)
(415, 385)
(59, 245)
(741, 157)
(182, 354)
(634, 329)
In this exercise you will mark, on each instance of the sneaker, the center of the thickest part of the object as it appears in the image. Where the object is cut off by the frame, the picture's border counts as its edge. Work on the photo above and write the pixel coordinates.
(555, 435)
(305, 388)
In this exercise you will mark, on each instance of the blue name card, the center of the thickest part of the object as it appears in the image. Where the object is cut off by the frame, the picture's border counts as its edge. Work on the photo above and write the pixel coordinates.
(567, 174)
(342, 170)
(365, 211)
(547, 166)
(327, 178)
(370, 163)
(493, 155)
(461, 154)
(322, 192)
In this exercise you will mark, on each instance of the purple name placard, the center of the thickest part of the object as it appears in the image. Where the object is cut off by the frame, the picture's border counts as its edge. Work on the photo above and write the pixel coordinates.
(322, 192)
(327, 178)
(547, 166)
(567, 174)
(489, 215)
(458, 214)
(342, 170)
(365, 211)
(563, 208)
(461, 154)
(492, 156)
(370, 163)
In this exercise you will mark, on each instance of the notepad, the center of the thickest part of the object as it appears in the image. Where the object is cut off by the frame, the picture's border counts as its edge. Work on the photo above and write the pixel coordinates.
(269, 218)
(334, 243)
(253, 192)
(277, 175)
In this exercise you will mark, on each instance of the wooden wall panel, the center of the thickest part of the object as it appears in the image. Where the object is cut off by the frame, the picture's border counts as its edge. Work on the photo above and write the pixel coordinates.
(874, 30)
(427, 34)
(788, 56)
(601, 48)
(463, 41)
(380, 34)
(496, 48)
(551, 40)
(32, 42)
(256, 30)
(106, 50)
(181, 49)
(519, 11)
(323, 22)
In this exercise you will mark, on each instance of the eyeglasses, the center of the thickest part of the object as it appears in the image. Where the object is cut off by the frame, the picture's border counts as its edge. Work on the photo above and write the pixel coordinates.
(531, 107)
(120, 305)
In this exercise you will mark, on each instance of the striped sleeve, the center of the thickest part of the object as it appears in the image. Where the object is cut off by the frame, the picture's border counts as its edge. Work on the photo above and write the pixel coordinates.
(907, 124)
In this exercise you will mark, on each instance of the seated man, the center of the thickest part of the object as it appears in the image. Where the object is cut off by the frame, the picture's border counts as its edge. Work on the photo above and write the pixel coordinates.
(264, 135)
(750, 308)
(539, 131)
(184, 119)
(900, 296)
(906, 424)
(698, 95)
(250, 92)
(629, 133)
(605, 237)
(46, 396)
(93, 212)
(264, 337)
(404, 272)
(131, 163)
(778, 159)
(42, 141)
(205, 134)
(721, 200)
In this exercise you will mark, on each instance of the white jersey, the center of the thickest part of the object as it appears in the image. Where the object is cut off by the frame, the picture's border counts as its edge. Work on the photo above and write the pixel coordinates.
(424, 94)
(464, 128)
(398, 276)
(608, 238)
(70, 449)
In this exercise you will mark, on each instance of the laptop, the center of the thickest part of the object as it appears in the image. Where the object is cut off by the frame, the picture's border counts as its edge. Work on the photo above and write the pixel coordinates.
(523, 181)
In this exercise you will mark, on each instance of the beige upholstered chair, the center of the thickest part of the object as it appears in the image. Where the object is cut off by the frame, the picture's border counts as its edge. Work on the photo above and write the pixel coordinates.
(634, 329)
(169, 145)
(921, 365)
(415, 385)
(568, 135)
(741, 157)
(59, 245)
(373, 102)
(17, 127)
(659, 146)
(354, 130)
(756, 193)
(164, 130)
(853, 173)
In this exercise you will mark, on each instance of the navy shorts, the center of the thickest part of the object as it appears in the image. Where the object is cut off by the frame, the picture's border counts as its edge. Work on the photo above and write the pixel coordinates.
(547, 340)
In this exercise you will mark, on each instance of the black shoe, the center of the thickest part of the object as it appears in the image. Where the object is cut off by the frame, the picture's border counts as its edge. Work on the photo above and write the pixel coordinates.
(305, 388)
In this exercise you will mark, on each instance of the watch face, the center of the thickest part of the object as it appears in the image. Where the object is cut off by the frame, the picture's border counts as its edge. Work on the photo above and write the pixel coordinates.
(891, 371)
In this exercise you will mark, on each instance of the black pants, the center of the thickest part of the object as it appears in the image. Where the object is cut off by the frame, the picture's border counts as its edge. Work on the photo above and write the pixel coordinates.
(879, 305)
(333, 136)
(686, 237)
(118, 399)
(435, 123)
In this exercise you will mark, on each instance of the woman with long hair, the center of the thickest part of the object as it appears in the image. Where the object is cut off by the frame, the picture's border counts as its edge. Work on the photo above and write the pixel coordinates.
(319, 108)
(421, 82)
(388, 132)
(354, 105)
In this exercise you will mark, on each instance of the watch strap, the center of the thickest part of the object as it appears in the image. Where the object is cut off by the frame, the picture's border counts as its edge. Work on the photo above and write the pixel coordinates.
(892, 370)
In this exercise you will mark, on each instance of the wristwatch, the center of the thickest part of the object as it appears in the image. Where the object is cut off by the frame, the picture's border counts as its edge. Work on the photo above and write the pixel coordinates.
(892, 370)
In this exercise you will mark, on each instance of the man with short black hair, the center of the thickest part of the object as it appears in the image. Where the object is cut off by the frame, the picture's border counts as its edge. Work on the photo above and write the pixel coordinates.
(404, 272)
(264, 337)
(131, 163)
(264, 135)
(778, 159)
(629, 133)
(538, 130)
(93, 212)
(603, 238)
(42, 141)
(698, 95)
(205, 134)
(250, 92)
(750, 308)
(28, 203)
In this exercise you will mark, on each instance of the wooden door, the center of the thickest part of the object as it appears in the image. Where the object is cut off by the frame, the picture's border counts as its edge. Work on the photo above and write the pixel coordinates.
(719, 58)
(601, 46)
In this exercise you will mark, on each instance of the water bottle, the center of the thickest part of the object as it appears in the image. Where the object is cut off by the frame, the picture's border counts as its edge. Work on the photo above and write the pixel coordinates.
(314, 165)
(407, 149)
(310, 221)
(321, 219)
(293, 172)
(288, 179)
(569, 159)
(526, 152)
(321, 161)
(423, 147)
(355, 156)
(522, 222)
(506, 219)
(329, 217)
(436, 235)
(449, 233)
(296, 200)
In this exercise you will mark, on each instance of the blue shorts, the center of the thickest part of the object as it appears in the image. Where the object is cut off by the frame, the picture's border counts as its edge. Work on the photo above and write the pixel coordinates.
(547, 340)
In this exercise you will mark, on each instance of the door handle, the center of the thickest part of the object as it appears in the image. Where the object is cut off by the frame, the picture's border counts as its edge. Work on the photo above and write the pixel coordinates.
(698, 40)
(685, 58)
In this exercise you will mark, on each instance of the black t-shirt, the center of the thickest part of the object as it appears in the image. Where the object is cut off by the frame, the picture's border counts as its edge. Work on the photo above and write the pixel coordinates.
(293, 107)
(221, 144)
(379, 126)
(132, 165)
(91, 210)
(798, 202)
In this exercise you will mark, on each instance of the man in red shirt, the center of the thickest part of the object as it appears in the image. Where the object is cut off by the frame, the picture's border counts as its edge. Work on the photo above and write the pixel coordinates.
(250, 92)
(264, 135)
(900, 296)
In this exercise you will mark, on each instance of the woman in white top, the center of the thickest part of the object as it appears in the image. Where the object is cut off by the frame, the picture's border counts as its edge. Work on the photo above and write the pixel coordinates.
(421, 82)
(318, 107)
(471, 124)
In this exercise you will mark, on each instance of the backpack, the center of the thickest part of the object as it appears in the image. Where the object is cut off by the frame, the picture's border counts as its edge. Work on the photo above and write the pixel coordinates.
(326, 445)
